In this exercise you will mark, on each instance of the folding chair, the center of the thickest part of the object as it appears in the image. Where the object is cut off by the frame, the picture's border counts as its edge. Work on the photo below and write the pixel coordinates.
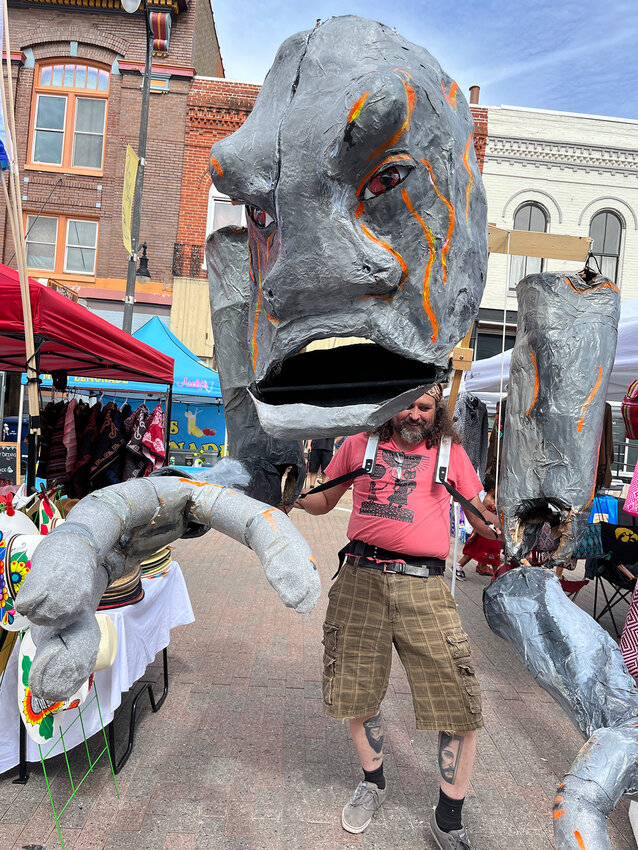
(573, 587)
(622, 585)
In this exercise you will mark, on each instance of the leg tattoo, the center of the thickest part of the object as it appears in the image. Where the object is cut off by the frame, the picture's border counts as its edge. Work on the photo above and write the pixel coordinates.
(450, 747)
(373, 727)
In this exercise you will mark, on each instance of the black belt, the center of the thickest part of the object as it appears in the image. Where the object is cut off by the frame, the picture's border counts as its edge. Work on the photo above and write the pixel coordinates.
(398, 567)
(361, 554)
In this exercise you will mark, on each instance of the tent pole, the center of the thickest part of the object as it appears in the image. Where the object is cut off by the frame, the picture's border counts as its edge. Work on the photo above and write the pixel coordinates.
(20, 415)
(169, 413)
(17, 228)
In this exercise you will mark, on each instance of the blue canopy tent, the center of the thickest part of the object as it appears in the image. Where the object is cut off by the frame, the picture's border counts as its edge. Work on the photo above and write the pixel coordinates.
(193, 384)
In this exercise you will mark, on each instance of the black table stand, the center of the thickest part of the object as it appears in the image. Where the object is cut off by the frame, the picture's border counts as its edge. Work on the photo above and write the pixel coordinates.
(155, 706)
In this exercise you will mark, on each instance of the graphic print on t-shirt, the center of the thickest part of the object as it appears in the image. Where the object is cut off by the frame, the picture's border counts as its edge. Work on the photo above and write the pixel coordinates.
(389, 498)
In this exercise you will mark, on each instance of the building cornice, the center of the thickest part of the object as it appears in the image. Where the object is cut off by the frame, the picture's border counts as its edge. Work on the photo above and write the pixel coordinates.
(175, 6)
(569, 156)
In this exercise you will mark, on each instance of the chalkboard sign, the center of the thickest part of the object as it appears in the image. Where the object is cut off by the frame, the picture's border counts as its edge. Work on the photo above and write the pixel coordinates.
(10, 462)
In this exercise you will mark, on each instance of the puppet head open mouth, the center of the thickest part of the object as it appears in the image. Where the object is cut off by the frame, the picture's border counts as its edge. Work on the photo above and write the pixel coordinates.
(342, 390)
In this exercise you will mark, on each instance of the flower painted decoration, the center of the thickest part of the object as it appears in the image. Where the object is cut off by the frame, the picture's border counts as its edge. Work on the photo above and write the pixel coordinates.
(37, 712)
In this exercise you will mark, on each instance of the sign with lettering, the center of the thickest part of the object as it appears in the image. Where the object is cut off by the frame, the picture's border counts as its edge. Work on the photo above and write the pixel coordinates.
(10, 462)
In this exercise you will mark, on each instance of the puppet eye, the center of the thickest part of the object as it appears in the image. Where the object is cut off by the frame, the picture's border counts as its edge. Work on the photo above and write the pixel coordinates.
(385, 180)
(259, 217)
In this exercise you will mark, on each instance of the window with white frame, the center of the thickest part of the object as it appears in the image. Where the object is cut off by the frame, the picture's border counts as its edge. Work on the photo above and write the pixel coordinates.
(222, 212)
(61, 245)
(531, 217)
(605, 230)
(69, 116)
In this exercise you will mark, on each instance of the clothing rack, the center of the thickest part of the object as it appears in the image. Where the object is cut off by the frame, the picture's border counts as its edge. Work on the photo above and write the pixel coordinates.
(92, 392)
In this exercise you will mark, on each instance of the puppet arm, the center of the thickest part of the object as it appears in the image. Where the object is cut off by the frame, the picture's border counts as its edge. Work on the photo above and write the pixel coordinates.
(109, 532)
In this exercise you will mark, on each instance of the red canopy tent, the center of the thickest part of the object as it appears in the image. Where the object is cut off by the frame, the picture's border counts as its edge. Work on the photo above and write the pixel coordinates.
(69, 337)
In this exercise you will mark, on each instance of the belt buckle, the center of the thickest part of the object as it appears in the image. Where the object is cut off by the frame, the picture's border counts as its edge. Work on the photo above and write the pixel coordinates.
(399, 568)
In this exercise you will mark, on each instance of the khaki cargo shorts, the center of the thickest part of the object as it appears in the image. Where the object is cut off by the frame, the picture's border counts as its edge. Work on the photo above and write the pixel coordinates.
(370, 611)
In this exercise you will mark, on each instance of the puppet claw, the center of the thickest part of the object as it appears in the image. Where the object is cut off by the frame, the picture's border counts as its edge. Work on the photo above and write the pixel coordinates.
(64, 659)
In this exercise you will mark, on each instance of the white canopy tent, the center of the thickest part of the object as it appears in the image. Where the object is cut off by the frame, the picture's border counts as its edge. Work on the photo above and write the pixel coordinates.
(484, 378)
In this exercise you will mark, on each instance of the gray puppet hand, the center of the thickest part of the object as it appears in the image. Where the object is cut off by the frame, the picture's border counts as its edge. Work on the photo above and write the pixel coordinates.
(65, 579)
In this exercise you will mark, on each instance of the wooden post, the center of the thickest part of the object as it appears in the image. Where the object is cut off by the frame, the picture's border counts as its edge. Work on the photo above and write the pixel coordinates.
(461, 361)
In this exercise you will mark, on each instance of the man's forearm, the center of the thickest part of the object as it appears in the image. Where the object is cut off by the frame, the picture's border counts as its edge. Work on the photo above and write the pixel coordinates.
(315, 504)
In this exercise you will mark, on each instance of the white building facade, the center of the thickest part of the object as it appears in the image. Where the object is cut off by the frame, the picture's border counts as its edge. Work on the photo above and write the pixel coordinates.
(566, 174)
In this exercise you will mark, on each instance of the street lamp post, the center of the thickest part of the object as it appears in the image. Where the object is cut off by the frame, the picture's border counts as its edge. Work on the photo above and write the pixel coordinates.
(129, 297)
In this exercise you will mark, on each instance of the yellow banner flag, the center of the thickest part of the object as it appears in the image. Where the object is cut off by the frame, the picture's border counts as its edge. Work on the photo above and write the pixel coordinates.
(128, 190)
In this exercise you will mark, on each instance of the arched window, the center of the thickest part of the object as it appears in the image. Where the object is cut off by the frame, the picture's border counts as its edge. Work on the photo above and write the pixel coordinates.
(606, 234)
(69, 116)
(222, 212)
(529, 216)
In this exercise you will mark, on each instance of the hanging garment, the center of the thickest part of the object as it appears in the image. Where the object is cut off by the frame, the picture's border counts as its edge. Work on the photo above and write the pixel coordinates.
(70, 438)
(470, 420)
(108, 457)
(605, 451)
(629, 410)
(56, 467)
(496, 438)
(621, 542)
(135, 463)
(629, 639)
(153, 440)
(79, 484)
(48, 421)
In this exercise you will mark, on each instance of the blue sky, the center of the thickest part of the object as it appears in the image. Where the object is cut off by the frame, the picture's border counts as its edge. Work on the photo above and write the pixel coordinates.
(564, 55)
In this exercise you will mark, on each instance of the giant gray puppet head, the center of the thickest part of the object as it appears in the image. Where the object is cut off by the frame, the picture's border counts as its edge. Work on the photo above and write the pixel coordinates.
(366, 218)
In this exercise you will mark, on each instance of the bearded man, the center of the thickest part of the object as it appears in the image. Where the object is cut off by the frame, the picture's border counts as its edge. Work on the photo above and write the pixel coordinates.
(390, 591)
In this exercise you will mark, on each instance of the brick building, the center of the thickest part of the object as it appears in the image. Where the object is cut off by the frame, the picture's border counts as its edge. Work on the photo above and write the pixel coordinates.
(77, 74)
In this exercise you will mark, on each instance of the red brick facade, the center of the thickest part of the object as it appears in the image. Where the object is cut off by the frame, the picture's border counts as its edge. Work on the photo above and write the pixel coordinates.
(116, 41)
(216, 108)
(480, 133)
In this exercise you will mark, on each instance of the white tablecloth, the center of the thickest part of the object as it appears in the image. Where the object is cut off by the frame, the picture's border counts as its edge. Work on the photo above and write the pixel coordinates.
(143, 630)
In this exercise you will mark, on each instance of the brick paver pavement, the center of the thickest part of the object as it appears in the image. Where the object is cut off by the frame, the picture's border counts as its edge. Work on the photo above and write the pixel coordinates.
(241, 755)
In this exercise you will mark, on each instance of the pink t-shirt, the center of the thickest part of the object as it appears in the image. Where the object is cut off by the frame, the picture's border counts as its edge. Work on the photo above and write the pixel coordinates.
(398, 506)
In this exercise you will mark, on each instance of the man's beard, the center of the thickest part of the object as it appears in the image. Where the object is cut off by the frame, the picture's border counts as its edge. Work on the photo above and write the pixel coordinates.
(415, 433)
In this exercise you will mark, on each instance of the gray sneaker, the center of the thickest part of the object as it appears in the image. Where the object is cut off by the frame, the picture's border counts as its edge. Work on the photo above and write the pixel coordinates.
(456, 840)
(367, 798)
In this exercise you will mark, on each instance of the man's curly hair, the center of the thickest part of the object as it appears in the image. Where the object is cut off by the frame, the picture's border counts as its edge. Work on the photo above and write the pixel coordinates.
(441, 427)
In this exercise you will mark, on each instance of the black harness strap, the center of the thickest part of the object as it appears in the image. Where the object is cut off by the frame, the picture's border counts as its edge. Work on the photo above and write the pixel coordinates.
(368, 465)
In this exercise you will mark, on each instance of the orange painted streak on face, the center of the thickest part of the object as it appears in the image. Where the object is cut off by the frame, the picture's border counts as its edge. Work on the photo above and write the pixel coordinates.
(402, 157)
(355, 112)
(257, 311)
(360, 209)
(466, 163)
(536, 384)
(451, 96)
(579, 839)
(427, 306)
(558, 813)
(268, 244)
(451, 219)
(394, 138)
(390, 250)
(589, 400)
(250, 261)
(215, 164)
(607, 284)
(403, 71)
